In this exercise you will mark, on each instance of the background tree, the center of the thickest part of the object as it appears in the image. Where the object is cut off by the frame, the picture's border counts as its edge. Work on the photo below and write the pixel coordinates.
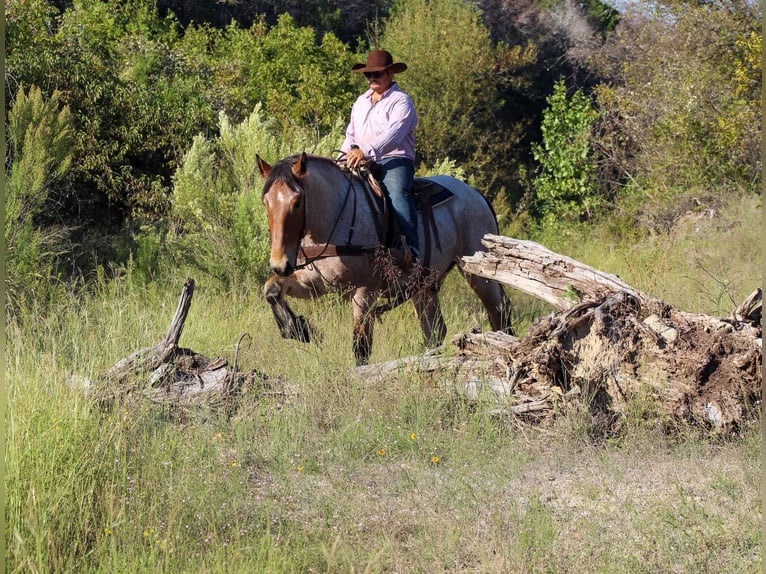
(40, 136)
(347, 19)
(134, 109)
(680, 107)
(565, 189)
(303, 82)
(453, 79)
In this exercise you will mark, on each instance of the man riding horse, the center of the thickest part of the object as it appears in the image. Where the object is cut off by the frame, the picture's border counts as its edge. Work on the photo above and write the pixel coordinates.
(382, 129)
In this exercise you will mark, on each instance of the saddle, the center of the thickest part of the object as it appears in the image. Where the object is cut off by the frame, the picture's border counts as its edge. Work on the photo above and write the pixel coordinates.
(428, 195)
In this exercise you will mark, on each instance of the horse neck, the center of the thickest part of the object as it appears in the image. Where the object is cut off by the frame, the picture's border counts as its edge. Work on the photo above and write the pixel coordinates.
(332, 206)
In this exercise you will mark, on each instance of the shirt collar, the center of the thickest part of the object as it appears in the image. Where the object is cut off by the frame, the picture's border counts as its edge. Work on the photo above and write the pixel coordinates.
(392, 88)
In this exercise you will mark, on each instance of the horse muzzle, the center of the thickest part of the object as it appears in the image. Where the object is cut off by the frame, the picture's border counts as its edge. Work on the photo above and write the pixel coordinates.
(282, 267)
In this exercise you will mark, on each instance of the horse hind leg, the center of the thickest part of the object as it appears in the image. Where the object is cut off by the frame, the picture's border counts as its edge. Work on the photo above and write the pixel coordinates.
(429, 313)
(495, 301)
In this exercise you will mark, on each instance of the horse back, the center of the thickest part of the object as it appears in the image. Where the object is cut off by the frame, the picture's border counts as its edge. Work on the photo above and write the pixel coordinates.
(469, 206)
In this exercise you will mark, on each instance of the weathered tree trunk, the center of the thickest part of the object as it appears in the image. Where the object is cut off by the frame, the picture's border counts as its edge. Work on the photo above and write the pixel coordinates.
(171, 375)
(150, 358)
(610, 346)
(556, 279)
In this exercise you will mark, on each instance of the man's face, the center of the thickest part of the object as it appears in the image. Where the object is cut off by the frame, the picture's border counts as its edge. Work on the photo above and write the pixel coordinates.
(379, 81)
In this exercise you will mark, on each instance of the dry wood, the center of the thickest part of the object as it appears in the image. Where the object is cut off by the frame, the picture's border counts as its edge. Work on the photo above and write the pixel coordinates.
(556, 279)
(150, 358)
(176, 376)
(609, 346)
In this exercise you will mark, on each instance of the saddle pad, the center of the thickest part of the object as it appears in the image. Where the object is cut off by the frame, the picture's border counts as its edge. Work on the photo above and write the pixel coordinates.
(437, 193)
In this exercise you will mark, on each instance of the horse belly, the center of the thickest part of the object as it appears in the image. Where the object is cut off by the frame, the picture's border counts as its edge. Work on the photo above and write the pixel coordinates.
(339, 274)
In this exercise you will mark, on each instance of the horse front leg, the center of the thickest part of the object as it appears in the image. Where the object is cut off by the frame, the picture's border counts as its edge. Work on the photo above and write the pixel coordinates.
(291, 326)
(429, 313)
(364, 324)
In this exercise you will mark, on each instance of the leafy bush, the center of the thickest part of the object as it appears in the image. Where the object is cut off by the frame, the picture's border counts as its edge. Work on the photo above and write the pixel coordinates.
(565, 188)
(447, 73)
(299, 81)
(446, 166)
(680, 107)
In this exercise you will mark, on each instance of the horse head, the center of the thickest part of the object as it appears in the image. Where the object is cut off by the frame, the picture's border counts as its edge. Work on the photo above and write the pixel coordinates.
(285, 200)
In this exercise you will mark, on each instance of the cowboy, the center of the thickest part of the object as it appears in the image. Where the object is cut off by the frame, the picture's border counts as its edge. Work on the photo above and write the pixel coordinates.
(382, 129)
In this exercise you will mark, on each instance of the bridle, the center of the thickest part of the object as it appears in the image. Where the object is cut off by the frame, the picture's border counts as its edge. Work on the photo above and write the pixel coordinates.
(311, 253)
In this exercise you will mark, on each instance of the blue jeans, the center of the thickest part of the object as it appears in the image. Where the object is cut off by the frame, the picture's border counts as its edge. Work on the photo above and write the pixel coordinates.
(397, 174)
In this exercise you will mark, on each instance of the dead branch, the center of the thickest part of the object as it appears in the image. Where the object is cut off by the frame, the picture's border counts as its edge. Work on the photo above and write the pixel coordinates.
(170, 375)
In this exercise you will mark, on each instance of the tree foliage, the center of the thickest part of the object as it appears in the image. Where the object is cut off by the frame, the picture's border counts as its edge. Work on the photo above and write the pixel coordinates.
(40, 136)
(347, 19)
(565, 189)
(680, 105)
(449, 75)
(302, 82)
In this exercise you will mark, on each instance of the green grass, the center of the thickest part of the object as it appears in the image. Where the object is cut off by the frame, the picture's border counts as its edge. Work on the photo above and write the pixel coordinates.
(349, 476)
(704, 265)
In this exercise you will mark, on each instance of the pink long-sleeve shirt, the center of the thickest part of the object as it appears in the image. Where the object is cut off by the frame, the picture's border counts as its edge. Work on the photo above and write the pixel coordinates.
(385, 129)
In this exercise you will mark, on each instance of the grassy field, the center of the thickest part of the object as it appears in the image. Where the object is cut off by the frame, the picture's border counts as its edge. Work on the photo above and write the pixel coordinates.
(347, 476)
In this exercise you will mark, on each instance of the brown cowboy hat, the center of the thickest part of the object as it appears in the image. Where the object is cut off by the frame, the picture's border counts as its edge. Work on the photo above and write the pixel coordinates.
(378, 61)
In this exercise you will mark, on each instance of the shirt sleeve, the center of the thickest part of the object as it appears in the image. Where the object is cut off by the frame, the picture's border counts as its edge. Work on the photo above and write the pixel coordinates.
(351, 136)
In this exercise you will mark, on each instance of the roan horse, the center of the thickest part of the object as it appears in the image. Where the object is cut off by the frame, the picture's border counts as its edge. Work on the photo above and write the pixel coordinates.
(325, 233)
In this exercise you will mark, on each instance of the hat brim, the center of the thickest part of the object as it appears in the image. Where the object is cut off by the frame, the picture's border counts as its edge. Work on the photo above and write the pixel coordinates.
(396, 68)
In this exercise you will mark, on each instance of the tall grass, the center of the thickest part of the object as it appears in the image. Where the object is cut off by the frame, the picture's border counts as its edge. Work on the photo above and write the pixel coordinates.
(346, 475)
(708, 262)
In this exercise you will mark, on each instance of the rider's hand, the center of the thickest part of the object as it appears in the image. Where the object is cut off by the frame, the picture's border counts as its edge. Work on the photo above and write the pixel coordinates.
(355, 157)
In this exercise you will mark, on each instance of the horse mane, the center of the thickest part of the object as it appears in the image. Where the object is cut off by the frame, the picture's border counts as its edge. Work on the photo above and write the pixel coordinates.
(282, 171)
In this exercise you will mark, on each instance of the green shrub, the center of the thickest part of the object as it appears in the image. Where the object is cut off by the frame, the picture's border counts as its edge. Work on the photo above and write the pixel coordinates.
(565, 189)
(300, 81)
(40, 138)
(680, 108)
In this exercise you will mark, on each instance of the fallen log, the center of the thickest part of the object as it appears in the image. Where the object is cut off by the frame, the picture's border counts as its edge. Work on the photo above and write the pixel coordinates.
(556, 279)
(608, 347)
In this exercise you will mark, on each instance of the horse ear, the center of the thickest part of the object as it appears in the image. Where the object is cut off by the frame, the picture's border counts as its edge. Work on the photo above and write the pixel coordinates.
(299, 167)
(263, 167)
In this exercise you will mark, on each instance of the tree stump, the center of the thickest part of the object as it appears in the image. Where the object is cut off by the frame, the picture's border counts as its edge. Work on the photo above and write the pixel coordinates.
(171, 375)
